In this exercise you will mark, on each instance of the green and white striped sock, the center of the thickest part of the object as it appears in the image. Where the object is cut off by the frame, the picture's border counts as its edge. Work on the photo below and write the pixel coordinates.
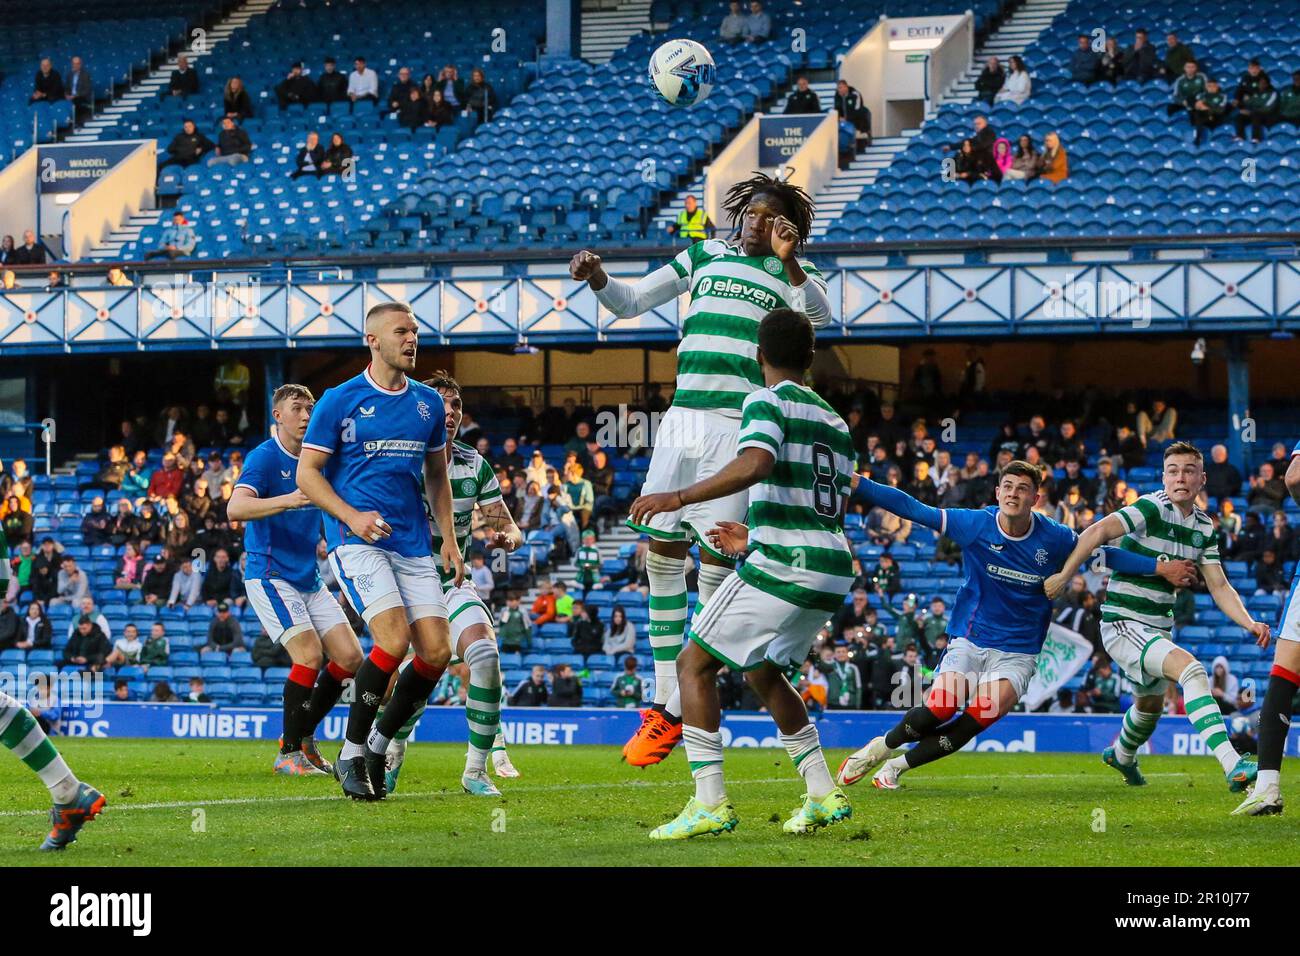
(667, 619)
(499, 741)
(704, 754)
(805, 749)
(408, 728)
(1137, 729)
(1203, 711)
(20, 733)
(483, 704)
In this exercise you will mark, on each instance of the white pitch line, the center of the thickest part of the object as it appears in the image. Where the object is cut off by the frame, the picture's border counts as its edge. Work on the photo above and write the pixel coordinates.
(555, 788)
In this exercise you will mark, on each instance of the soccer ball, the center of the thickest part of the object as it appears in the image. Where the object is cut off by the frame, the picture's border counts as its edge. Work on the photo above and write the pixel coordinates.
(682, 73)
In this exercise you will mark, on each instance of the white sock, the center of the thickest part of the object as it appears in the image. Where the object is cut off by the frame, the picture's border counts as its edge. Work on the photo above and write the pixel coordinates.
(1204, 714)
(898, 763)
(483, 707)
(673, 705)
(376, 743)
(1268, 778)
(704, 753)
(351, 750)
(66, 789)
(710, 578)
(805, 749)
(667, 619)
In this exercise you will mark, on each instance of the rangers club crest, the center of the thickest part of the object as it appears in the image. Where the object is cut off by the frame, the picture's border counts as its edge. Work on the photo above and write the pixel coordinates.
(364, 582)
(423, 408)
(1041, 556)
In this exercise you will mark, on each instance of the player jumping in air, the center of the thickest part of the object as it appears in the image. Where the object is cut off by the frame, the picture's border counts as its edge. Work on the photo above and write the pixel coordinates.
(795, 457)
(1138, 615)
(732, 285)
(375, 447)
(1283, 681)
(999, 621)
(473, 639)
(75, 803)
(284, 587)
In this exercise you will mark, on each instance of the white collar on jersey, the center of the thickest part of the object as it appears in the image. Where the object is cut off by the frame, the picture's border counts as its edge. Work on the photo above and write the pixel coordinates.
(1033, 519)
(387, 391)
(275, 434)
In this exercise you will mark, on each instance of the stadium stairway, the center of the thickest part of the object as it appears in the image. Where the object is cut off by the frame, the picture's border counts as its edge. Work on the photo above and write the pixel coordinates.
(667, 214)
(110, 248)
(150, 88)
(607, 25)
(1013, 37)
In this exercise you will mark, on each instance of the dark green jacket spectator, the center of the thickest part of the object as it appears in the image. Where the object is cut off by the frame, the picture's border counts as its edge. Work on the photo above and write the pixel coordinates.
(1176, 57)
(1217, 103)
(1189, 89)
(1261, 103)
(844, 685)
(1289, 103)
(156, 650)
(513, 632)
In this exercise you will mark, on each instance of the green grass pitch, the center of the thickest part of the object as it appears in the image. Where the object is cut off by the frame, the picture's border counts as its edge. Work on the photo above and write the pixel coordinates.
(214, 803)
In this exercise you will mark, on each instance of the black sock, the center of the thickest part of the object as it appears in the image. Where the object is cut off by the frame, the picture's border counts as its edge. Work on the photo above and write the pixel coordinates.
(324, 696)
(369, 686)
(954, 736)
(295, 700)
(916, 723)
(412, 689)
(1275, 721)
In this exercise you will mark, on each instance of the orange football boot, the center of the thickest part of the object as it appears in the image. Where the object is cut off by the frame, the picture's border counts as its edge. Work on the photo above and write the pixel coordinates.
(654, 739)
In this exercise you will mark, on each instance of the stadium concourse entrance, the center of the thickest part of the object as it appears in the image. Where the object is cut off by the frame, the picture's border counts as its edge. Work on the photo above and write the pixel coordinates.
(91, 394)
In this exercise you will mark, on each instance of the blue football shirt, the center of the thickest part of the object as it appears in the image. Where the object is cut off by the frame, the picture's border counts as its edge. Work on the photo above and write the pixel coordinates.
(282, 545)
(377, 440)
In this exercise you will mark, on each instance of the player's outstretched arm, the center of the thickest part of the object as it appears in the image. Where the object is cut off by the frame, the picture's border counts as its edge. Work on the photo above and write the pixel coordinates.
(369, 526)
(437, 490)
(245, 505)
(1229, 602)
(751, 466)
(1177, 573)
(506, 533)
(626, 299)
(807, 293)
(899, 502)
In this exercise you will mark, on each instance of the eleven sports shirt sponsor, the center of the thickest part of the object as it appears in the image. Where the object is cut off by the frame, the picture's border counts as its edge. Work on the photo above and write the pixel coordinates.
(717, 358)
(281, 545)
(377, 440)
(797, 547)
(472, 483)
(1156, 528)
(1001, 604)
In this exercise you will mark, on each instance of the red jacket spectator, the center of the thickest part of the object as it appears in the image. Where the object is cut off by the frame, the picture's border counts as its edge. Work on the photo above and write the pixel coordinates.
(544, 609)
(166, 481)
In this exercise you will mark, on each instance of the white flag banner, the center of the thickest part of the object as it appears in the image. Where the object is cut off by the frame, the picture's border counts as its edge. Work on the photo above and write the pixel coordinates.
(1063, 655)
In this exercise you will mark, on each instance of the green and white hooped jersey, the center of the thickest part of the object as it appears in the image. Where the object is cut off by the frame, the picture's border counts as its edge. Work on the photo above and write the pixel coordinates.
(717, 359)
(796, 536)
(1157, 529)
(473, 482)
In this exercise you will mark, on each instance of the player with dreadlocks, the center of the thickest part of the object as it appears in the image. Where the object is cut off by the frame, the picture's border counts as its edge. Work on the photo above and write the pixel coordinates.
(733, 283)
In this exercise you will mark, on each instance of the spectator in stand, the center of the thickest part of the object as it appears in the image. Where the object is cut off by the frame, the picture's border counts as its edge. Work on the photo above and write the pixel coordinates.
(184, 81)
(401, 89)
(452, 86)
(32, 252)
(1002, 157)
(1140, 59)
(481, 576)
(1024, 165)
(1053, 163)
(310, 158)
(117, 278)
(17, 522)
(1222, 479)
(6, 250)
(48, 85)
(981, 141)
(363, 83)
(1224, 685)
(1187, 90)
(1018, 85)
(130, 568)
(267, 653)
(532, 691)
(620, 633)
(178, 239)
(413, 112)
(580, 492)
(187, 584)
(990, 80)
(166, 481)
(1209, 111)
(627, 689)
(544, 604)
(1282, 537)
(296, 88)
(180, 536)
(566, 688)
(187, 147)
(1085, 62)
(886, 575)
(135, 483)
(440, 112)
(563, 602)
(758, 25)
(480, 97)
(88, 648)
(1163, 420)
(11, 625)
(156, 582)
(1288, 102)
(80, 90)
(235, 101)
(1249, 84)
(45, 571)
(803, 99)
(849, 105)
(35, 631)
(1270, 574)
(149, 525)
(585, 633)
(1267, 491)
(224, 632)
(1177, 55)
(1258, 110)
(72, 585)
(198, 692)
(127, 648)
(338, 158)
(921, 487)
(20, 573)
(233, 145)
(513, 631)
(218, 579)
(332, 87)
(732, 29)
(601, 477)
(157, 648)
